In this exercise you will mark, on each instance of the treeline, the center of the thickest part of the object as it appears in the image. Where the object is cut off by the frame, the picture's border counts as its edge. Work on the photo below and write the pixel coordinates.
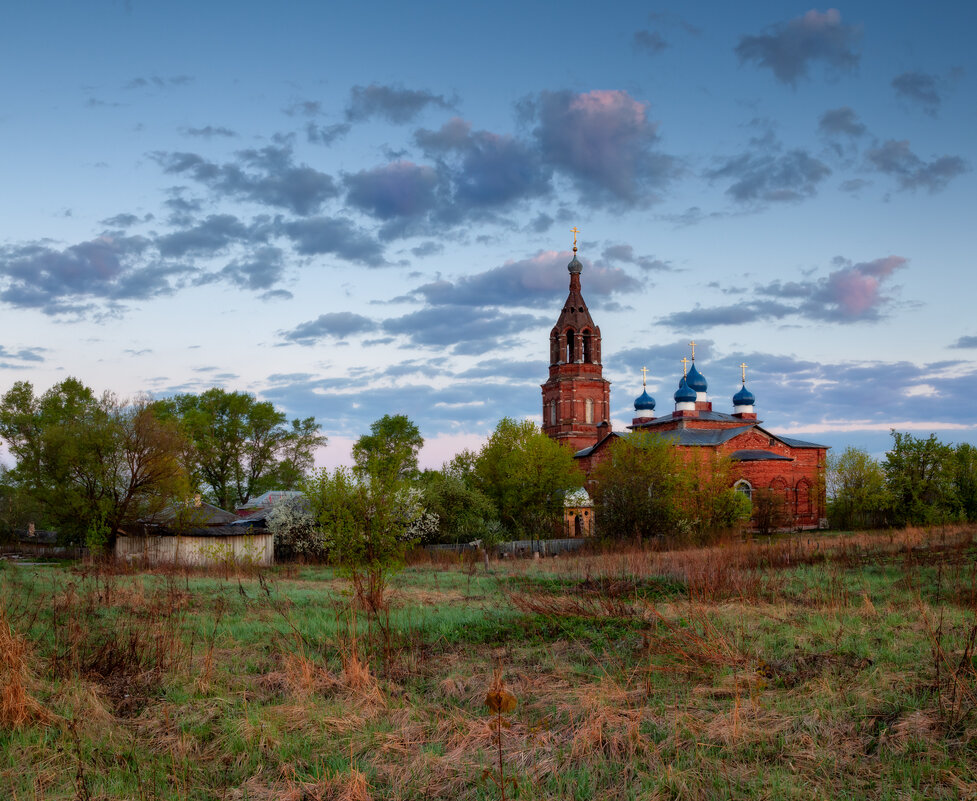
(919, 482)
(87, 466)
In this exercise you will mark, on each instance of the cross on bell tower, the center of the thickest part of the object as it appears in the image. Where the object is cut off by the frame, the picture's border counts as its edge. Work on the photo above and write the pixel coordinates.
(576, 397)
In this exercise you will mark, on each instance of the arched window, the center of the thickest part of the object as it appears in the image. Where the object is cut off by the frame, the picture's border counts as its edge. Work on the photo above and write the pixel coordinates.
(588, 410)
(552, 412)
(804, 497)
(571, 346)
(587, 347)
(744, 487)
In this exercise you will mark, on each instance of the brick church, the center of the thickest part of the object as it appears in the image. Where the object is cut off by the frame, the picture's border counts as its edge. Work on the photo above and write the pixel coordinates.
(576, 412)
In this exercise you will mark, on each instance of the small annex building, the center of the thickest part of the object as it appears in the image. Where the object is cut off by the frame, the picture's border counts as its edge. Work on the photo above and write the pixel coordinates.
(196, 534)
(576, 412)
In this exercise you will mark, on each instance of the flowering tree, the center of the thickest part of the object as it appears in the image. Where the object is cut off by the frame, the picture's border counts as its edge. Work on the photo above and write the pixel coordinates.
(291, 522)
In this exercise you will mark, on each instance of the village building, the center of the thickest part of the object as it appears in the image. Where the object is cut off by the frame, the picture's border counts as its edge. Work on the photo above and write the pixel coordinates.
(576, 412)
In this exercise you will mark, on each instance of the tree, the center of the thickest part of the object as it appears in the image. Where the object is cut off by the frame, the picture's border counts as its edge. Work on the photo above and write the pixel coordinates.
(240, 446)
(636, 488)
(857, 490)
(709, 504)
(390, 449)
(464, 512)
(90, 465)
(291, 522)
(919, 475)
(526, 475)
(965, 480)
(370, 516)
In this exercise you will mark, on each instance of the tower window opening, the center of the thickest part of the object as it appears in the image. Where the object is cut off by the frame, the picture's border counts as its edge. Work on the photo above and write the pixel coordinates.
(552, 412)
(571, 346)
(587, 348)
(588, 410)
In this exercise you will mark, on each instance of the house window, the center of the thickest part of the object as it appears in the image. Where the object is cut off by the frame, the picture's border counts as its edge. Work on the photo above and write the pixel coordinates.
(588, 411)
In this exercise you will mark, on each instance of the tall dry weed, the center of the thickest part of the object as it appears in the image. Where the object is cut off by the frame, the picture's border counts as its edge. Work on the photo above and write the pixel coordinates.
(18, 707)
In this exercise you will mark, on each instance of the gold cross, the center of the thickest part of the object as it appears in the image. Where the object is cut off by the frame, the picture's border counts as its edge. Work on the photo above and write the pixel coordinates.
(692, 343)
(685, 366)
(743, 368)
(575, 231)
(644, 376)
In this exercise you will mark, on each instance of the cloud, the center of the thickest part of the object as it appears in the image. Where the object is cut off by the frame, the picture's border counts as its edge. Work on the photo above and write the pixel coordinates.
(965, 342)
(649, 42)
(209, 132)
(125, 220)
(267, 176)
(396, 105)
(428, 248)
(921, 89)
(457, 326)
(336, 235)
(68, 281)
(304, 108)
(762, 175)
(788, 48)
(896, 159)
(210, 236)
(157, 82)
(536, 281)
(334, 325)
(24, 354)
(603, 141)
(626, 254)
(399, 189)
(326, 134)
(484, 169)
(261, 270)
(839, 121)
(852, 293)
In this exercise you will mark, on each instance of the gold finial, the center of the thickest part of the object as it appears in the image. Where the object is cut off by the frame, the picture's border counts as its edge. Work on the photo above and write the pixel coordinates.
(644, 377)
(575, 231)
(743, 368)
(692, 343)
(685, 366)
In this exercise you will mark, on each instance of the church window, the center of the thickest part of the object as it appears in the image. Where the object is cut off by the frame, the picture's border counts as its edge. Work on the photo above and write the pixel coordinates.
(588, 410)
(745, 487)
(552, 412)
(587, 348)
(803, 497)
(571, 357)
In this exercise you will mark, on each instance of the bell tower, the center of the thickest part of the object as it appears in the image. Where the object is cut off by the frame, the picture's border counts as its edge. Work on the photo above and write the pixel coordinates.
(576, 397)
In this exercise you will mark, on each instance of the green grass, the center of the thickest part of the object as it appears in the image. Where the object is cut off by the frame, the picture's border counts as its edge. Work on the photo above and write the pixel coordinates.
(811, 680)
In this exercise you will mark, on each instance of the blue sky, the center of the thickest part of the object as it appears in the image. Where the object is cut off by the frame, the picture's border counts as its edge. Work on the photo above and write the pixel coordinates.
(354, 211)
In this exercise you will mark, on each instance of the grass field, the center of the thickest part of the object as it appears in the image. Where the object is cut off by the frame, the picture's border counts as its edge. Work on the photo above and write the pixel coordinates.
(816, 666)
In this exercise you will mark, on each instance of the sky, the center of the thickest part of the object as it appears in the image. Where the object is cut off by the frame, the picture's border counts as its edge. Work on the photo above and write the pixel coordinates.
(354, 210)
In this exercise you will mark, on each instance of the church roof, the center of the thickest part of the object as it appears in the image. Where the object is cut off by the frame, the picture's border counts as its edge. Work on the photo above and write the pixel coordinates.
(752, 455)
(704, 436)
(800, 443)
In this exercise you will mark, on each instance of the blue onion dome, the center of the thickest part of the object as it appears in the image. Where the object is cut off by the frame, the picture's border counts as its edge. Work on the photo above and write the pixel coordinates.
(744, 397)
(575, 266)
(695, 380)
(644, 402)
(684, 393)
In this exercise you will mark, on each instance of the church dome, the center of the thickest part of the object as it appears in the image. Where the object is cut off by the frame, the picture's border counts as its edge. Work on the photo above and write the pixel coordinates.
(696, 381)
(644, 402)
(744, 397)
(575, 266)
(684, 393)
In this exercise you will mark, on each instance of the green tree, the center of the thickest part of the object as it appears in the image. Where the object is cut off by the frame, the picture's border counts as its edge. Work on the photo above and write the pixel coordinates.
(709, 505)
(919, 477)
(90, 465)
(240, 446)
(965, 480)
(526, 475)
(858, 496)
(390, 449)
(637, 487)
(464, 512)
